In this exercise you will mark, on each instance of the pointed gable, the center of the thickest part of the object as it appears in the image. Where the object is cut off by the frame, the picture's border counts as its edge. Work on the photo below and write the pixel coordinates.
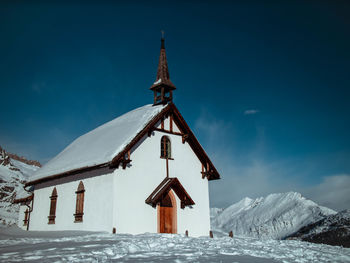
(164, 187)
(209, 170)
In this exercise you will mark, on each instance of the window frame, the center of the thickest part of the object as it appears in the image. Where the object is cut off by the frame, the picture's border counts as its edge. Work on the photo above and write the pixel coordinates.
(53, 206)
(79, 203)
(165, 148)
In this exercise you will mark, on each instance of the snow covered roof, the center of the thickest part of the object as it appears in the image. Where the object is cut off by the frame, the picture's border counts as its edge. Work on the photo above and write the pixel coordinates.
(100, 145)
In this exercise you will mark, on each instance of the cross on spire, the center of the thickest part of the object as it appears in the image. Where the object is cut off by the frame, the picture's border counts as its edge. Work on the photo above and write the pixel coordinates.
(162, 87)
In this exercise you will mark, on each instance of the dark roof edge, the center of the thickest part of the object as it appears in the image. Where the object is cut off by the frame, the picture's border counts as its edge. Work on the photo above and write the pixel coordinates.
(110, 163)
(195, 145)
(64, 174)
(140, 135)
(23, 200)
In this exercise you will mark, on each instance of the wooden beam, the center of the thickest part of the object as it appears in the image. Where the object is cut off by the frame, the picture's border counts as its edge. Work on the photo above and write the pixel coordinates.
(184, 138)
(162, 93)
(169, 132)
(155, 96)
(125, 163)
(167, 168)
(171, 123)
(193, 142)
(230, 234)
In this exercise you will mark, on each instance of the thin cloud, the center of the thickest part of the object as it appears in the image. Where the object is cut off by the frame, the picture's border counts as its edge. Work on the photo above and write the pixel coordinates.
(250, 177)
(252, 174)
(332, 192)
(251, 112)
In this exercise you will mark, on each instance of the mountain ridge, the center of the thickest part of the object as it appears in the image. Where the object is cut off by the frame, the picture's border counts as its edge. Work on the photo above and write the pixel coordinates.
(332, 230)
(14, 172)
(274, 216)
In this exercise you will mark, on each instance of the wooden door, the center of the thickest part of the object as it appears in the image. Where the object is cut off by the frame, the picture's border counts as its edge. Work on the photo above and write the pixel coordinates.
(167, 214)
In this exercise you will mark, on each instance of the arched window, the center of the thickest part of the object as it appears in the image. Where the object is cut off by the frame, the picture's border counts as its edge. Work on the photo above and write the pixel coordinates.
(53, 199)
(165, 147)
(79, 207)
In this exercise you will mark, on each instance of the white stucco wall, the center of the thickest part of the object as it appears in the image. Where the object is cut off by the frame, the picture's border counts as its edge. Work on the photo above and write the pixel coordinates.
(98, 206)
(118, 199)
(137, 182)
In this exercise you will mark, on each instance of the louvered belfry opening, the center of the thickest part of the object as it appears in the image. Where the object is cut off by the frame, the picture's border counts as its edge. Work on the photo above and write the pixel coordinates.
(163, 87)
(53, 203)
(79, 207)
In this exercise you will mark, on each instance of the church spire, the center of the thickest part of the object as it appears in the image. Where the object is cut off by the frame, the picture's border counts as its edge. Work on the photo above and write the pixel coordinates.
(162, 87)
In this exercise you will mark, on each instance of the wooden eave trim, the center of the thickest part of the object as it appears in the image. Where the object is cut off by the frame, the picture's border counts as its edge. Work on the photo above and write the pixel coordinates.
(165, 185)
(187, 200)
(186, 132)
(149, 127)
(165, 85)
(111, 164)
(165, 181)
(65, 174)
(23, 200)
(179, 121)
(193, 142)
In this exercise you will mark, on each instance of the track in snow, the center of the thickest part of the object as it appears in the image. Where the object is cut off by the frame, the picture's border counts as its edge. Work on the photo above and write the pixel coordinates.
(21, 246)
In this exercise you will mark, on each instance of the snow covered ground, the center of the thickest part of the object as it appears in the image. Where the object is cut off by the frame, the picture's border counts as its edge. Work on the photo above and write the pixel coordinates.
(20, 246)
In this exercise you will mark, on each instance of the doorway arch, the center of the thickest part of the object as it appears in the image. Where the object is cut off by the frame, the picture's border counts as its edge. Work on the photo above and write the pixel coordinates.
(167, 214)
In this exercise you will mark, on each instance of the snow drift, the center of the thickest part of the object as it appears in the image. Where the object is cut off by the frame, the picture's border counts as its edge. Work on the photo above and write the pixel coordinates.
(21, 246)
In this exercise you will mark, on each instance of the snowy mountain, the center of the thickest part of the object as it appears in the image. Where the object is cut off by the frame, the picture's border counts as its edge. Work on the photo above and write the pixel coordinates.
(274, 216)
(14, 172)
(332, 230)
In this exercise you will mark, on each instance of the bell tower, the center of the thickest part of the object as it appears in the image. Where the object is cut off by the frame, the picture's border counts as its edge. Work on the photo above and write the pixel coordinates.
(162, 87)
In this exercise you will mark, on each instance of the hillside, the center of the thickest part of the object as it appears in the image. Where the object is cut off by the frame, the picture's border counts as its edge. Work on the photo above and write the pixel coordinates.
(274, 216)
(14, 172)
(332, 230)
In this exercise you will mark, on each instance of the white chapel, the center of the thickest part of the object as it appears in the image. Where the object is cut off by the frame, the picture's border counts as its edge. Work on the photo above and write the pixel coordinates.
(144, 171)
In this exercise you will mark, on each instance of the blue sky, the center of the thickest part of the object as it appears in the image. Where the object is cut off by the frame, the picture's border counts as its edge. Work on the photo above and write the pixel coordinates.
(263, 85)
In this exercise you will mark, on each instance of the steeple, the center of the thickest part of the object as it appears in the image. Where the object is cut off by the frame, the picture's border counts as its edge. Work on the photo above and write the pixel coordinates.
(162, 87)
